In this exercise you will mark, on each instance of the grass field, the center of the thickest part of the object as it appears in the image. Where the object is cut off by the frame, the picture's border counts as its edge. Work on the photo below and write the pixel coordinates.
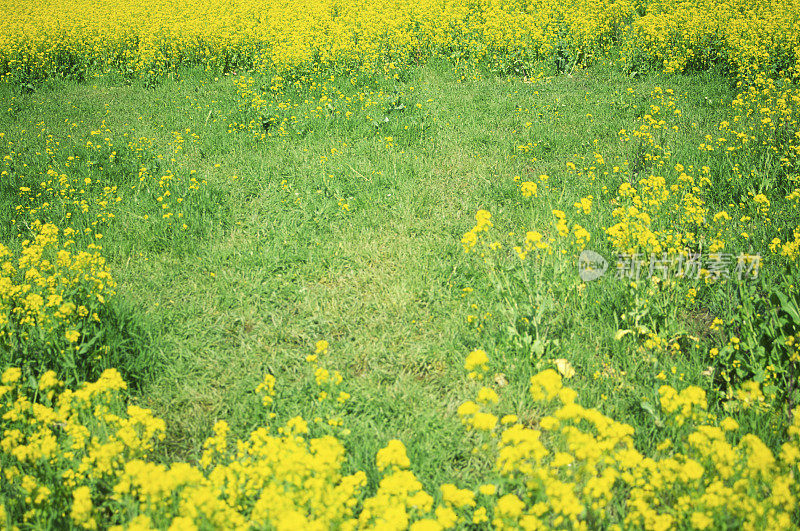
(310, 255)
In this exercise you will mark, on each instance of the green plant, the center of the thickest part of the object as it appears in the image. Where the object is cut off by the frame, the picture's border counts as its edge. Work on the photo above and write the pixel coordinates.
(54, 303)
(767, 337)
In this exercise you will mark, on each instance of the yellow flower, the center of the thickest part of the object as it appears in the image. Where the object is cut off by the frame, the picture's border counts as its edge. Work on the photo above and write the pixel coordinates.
(532, 238)
(545, 385)
(701, 521)
(476, 358)
(457, 497)
(482, 219)
(469, 240)
(509, 419)
(487, 395)
(48, 380)
(488, 489)
(479, 516)
(484, 421)
(72, 335)
(392, 455)
(33, 302)
(297, 425)
(67, 308)
(321, 347)
(426, 525)
(529, 189)
(11, 376)
(509, 506)
(82, 508)
(468, 409)
(585, 204)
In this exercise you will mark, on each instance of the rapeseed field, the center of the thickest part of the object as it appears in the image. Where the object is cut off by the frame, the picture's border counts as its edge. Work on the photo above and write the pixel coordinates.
(464, 264)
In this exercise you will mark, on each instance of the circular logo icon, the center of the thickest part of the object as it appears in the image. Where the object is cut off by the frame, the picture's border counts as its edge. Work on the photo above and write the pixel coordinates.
(591, 265)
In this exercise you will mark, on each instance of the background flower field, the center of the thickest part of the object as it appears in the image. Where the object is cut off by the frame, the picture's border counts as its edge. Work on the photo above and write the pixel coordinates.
(312, 265)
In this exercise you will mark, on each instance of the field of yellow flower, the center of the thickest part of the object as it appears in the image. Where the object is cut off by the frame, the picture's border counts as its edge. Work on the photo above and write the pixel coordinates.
(464, 264)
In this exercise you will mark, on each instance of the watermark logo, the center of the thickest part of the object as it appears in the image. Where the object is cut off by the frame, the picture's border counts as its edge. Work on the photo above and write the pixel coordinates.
(592, 266)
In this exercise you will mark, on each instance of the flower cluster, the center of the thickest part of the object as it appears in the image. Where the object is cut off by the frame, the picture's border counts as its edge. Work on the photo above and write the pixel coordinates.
(52, 301)
(81, 459)
(575, 462)
(482, 224)
(95, 186)
(152, 38)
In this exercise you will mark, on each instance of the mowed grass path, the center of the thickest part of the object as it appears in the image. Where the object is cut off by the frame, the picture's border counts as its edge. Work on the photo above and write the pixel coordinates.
(284, 264)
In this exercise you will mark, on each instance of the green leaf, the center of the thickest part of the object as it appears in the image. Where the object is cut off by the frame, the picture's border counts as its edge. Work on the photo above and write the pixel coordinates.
(648, 407)
(789, 306)
(538, 347)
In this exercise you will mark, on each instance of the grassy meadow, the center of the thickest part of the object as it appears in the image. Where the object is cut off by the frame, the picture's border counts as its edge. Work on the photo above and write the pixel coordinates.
(325, 267)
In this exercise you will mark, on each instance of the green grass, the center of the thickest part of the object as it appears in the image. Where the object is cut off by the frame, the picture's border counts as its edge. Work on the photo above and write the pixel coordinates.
(272, 262)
